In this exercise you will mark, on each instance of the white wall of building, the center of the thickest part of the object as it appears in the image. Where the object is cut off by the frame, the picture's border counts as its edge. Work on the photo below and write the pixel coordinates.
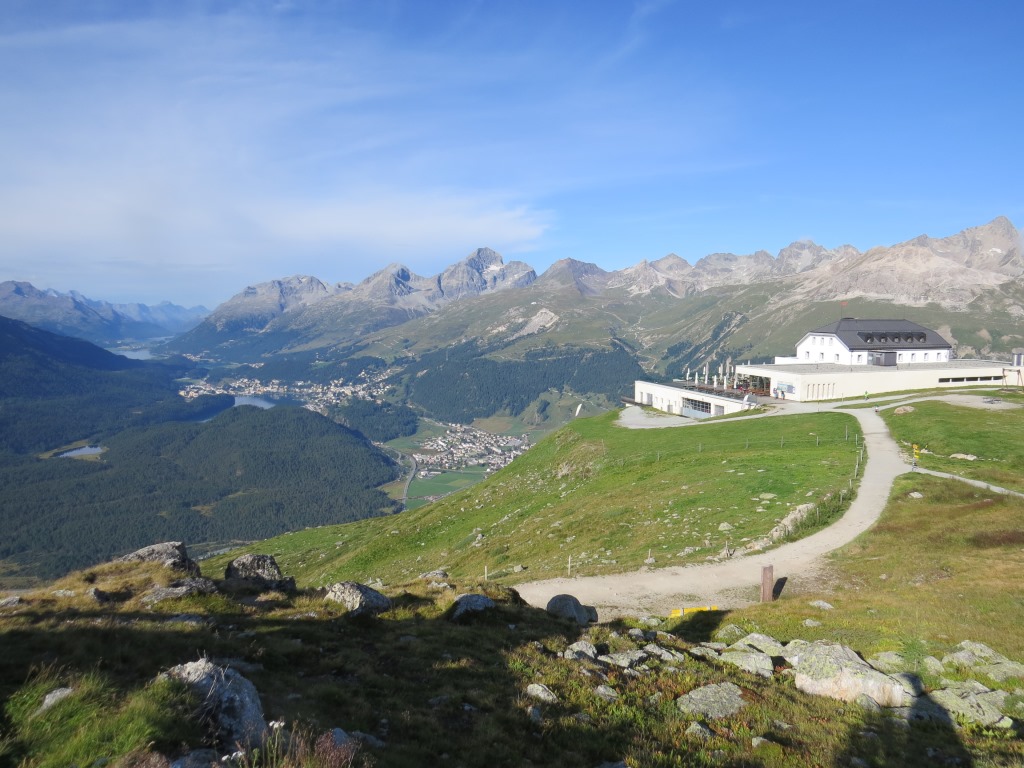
(684, 402)
(805, 385)
(827, 348)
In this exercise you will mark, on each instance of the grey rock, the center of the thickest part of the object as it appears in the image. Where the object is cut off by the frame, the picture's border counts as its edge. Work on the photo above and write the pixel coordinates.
(187, 587)
(468, 605)
(63, 593)
(980, 708)
(99, 596)
(359, 599)
(758, 642)
(541, 693)
(1002, 671)
(258, 571)
(730, 633)
(568, 607)
(535, 715)
(703, 652)
(699, 732)
(759, 741)
(368, 739)
(228, 700)
(750, 661)
(912, 684)
(833, 670)
(606, 692)
(714, 646)
(438, 575)
(888, 661)
(665, 654)
(170, 554)
(626, 659)
(811, 623)
(866, 703)
(581, 650)
(932, 666)
(53, 697)
(821, 605)
(10, 602)
(712, 701)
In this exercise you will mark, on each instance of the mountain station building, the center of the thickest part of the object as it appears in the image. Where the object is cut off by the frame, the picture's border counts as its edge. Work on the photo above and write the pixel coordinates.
(849, 358)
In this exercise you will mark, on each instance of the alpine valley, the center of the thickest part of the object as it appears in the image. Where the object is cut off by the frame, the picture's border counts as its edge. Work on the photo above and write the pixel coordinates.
(484, 337)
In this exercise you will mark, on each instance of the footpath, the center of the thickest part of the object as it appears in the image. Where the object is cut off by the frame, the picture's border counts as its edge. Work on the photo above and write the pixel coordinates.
(736, 582)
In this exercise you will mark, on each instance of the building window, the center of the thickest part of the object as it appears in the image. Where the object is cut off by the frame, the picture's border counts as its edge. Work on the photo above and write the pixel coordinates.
(830, 341)
(860, 358)
(837, 358)
(926, 357)
(899, 359)
(913, 357)
(821, 355)
(807, 355)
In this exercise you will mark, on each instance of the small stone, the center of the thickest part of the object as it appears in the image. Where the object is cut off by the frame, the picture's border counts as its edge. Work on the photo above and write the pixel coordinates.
(606, 692)
(580, 650)
(699, 732)
(811, 623)
(53, 697)
(541, 693)
(822, 605)
(759, 741)
(724, 527)
(10, 602)
(916, 495)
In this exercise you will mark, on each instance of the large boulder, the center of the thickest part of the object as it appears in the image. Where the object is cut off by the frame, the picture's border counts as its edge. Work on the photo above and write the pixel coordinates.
(228, 701)
(359, 599)
(258, 571)
(568, 607)
(833, 670)
(170, 554)
(470, 605)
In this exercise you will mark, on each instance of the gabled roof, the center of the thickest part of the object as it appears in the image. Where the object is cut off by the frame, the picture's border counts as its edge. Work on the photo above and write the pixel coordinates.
(882, 334)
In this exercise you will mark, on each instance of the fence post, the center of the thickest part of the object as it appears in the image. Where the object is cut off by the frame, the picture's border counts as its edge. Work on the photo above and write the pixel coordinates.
(767, 583)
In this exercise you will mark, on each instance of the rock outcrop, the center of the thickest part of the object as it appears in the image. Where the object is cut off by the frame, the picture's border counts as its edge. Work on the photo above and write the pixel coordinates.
(257, 572)
(359, 599)
(171, 554)
(228, 701)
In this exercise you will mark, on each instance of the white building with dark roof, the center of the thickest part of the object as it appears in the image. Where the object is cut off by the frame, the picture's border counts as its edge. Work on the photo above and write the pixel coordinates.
(871, 342)
(850, 358)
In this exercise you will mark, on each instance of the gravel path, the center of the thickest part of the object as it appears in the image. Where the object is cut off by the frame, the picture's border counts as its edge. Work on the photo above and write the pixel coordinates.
(736, 582)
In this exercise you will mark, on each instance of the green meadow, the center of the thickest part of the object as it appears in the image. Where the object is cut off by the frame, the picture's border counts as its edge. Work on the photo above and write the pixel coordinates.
(605, 495)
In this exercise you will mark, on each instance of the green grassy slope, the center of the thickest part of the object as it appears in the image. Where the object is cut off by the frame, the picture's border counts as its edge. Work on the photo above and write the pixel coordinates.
(603, 494)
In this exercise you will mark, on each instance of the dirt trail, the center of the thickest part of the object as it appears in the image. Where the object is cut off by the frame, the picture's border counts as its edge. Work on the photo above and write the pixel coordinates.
(736, 582)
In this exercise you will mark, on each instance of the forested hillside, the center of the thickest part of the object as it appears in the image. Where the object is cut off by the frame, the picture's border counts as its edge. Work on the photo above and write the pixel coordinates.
(171, 468)
(247, 474)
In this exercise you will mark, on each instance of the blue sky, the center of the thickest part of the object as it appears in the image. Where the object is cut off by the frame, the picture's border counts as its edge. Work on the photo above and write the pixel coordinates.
(183, 150)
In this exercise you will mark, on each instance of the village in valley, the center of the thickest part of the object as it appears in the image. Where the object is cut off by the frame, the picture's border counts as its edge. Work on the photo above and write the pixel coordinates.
(460, 446)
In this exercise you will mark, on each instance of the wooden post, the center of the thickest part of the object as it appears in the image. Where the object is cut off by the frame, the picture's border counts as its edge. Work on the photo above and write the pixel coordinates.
(485, 573)
(570, 566)
(767, 583)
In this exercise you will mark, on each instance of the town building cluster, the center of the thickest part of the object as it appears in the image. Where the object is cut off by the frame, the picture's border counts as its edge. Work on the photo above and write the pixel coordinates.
(369, 385)
(461, 446)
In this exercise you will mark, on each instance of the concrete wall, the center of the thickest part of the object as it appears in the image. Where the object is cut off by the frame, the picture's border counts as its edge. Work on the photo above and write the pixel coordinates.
(802, 384)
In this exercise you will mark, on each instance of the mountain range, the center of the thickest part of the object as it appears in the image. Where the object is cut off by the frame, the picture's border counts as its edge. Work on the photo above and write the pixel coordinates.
(101, 322)
(652, 305)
